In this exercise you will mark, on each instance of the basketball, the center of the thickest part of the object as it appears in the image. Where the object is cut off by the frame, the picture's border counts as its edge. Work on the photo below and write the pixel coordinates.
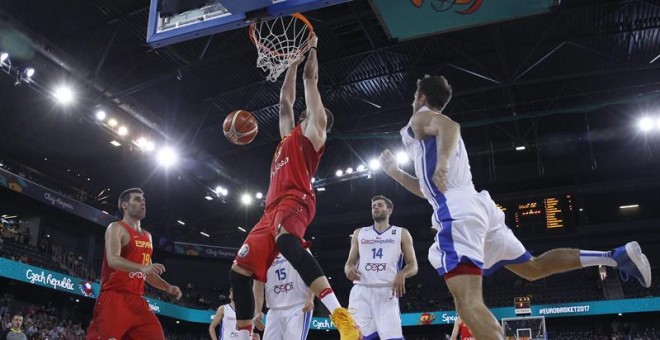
(240, 127)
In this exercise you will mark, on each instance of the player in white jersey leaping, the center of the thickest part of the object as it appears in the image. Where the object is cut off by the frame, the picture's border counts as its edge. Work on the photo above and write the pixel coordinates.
(472, 236)
(290, 302)
(374, 265)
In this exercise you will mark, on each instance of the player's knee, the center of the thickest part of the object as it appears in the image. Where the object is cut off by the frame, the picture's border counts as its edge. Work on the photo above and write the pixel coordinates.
(304, 263)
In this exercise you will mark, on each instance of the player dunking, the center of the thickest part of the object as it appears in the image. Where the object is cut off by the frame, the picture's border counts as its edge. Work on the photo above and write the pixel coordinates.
(472, 235)
(374, 266)
(120, 310)
(224, 321)
(290, 206)
(289, 301)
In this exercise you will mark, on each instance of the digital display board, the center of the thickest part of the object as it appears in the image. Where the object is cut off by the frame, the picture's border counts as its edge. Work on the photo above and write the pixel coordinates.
(539, 215)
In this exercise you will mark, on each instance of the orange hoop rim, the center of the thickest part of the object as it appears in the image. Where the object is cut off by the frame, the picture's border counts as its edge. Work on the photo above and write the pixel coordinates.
(263, 48)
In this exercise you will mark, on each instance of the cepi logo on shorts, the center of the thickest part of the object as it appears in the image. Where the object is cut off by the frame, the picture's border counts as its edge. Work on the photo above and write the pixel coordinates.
(375, 267)
(245, 249)
(283, 288)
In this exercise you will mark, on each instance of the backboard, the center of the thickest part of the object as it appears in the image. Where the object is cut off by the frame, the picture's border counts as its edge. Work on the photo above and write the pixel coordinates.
(173, 21)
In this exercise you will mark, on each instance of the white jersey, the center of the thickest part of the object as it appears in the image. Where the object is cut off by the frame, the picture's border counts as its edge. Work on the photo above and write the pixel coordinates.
(380, 256)
(284, 286)
(424, 154)
(228, 329)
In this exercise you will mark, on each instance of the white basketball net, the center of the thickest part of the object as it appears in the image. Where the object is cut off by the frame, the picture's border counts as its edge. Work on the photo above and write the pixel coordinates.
(279, 42)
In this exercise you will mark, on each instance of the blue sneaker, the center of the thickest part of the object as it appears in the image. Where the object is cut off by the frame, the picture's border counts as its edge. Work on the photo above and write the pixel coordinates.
(632, 262)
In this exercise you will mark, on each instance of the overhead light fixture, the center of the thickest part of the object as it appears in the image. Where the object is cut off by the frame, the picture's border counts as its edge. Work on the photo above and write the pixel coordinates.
(349, 171)
(100, 115)
(181, 222)
(645, 124)
(208, 197)
(402, 157)
(360, 167)
(259, 195)
(204, 234)
(313, 180)
(630, 206)
(520, 148)
(3, 57)
(64, 95)
(167, 157)
(115, 143)
(246, 199)
(320, 189)
(339, 173)
(112, 122)
(241, 229)
(374, 164)
(122, 131)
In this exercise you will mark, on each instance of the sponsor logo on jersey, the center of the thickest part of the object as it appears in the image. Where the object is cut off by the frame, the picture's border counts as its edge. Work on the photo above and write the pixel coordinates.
(283, 288)
(375, 267)
(245, 249)
(142, 244)
(279, 260)
(377, 241)
(137, 275)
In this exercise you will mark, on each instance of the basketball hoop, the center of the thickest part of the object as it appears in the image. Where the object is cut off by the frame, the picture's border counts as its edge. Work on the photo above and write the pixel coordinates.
(280, 41)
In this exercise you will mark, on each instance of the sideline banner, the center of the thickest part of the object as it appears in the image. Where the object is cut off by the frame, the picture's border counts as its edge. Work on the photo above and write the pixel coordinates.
(71, 284)
(408, 19)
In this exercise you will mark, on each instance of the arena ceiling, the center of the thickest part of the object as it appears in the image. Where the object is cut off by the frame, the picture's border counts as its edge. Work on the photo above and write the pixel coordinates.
(569, 85)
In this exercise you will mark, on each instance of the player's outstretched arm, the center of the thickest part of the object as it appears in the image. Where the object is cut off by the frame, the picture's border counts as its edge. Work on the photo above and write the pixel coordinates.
(350, 268)
(215, 322)
(316, 116)
(389, 165)
(288, 98)
(258, 291)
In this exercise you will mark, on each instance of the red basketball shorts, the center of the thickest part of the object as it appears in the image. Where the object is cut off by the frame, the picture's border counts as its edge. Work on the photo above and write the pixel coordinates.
(123, 316)
(259, 250)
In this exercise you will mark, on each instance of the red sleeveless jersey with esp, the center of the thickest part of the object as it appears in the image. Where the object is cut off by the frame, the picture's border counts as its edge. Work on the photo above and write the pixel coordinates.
(294, 164)
(464, 331)
(138, 250)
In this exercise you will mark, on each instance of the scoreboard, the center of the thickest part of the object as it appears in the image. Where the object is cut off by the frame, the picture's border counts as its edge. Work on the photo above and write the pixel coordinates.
(539, 215)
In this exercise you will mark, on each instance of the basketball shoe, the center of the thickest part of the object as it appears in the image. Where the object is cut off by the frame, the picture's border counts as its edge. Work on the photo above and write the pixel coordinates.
(632, 262)
(345, 324)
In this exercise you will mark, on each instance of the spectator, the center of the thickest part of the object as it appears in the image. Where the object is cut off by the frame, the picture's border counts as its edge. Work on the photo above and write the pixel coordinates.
(15, 332)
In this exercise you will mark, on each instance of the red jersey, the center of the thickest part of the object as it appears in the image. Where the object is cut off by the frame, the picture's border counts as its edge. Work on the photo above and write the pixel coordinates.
(138, 250)
(294, 164)
(464, 332)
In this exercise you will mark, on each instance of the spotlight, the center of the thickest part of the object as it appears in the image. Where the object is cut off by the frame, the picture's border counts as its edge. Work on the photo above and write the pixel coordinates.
(112, 122)
(167, 157)
(246, 199)
(100, 115)
(313, 180)
(208, 197)
(360, 167)
(349, 171)
(374, 164)
(339, 173)
(122, 131)
(402, 157)
(181, 222)
(241, 229)
(115, 143)
(204, 234)
(520, 148)
(64, 95)
(28, 72)
(259, 195)
(645, 124)
(3, 57)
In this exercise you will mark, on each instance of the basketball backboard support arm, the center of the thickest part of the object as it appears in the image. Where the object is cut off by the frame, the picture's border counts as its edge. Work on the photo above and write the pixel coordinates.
(220, 16)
